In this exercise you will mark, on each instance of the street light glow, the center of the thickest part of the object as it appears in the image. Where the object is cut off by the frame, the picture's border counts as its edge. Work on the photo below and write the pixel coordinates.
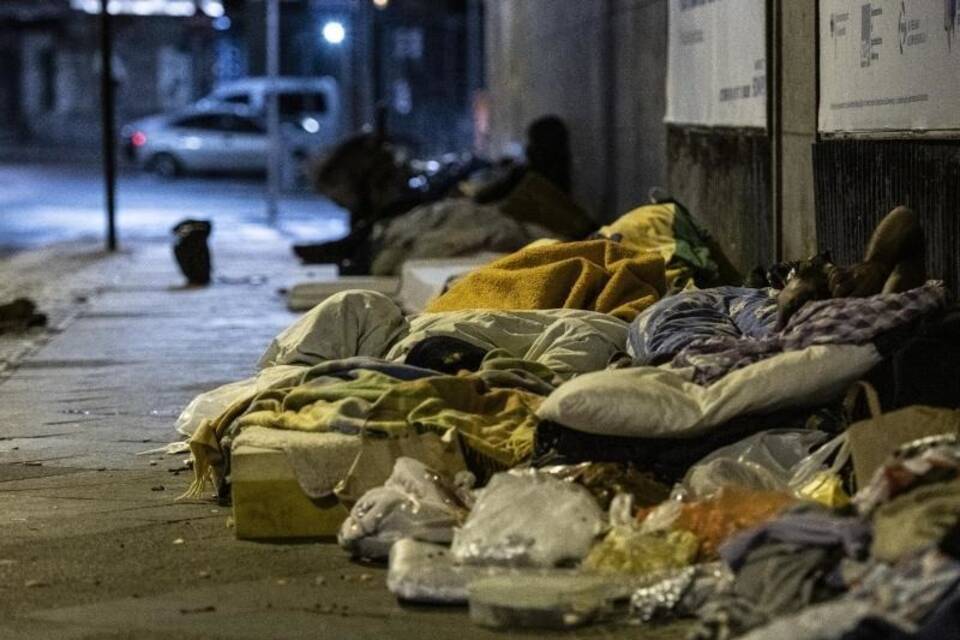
(334, 33)
(381, 4)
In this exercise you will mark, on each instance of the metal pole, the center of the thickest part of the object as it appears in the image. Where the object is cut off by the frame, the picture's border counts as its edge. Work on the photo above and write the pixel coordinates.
(376, 53)
(273, 107)
(108, 124)
(774, 90)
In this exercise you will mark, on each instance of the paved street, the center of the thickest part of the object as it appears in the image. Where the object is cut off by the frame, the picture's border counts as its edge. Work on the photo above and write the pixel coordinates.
(92, 541)
(45, 202)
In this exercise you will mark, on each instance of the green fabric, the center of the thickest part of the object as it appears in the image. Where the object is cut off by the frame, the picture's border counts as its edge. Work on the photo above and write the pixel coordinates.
(692, 248)
(915, 520)
(501, 421)
(319, 404)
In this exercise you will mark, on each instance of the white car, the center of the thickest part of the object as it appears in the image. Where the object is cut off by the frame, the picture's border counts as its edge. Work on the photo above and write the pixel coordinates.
(198, 140)
(311, 103)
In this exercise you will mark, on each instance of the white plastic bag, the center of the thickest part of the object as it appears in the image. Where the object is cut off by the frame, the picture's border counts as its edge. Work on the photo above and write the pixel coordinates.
(766, 461)
(415, 502)
(530, 520)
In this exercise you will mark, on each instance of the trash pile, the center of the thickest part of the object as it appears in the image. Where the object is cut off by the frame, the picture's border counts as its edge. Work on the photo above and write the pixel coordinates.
(602, 430)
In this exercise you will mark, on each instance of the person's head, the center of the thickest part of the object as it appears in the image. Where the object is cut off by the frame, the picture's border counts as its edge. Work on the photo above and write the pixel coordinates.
(359, 173)
(548, 150)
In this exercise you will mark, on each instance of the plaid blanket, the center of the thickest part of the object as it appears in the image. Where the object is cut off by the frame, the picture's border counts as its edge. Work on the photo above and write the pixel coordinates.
(834, 321)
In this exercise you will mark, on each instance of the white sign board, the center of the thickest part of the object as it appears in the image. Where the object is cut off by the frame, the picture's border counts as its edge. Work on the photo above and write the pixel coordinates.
(889, 65)
(716, 73)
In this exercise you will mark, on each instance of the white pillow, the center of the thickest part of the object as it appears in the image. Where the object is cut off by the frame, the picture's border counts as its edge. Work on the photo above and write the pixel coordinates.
(652, 402)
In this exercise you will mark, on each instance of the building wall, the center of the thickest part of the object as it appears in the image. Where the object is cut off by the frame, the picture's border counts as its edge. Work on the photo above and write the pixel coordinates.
(601, 66)
(723, 177)
(159, 64)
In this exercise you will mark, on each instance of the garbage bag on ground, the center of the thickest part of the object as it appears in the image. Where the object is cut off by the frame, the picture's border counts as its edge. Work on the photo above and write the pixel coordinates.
(717, 519)
(20, 314)
(191, 250)
(605, 480)
(534, 520)
(415, 502)
(628, 550)
(765, 461)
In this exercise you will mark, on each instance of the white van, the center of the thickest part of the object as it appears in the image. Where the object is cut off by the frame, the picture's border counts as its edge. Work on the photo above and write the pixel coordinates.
(311, 103)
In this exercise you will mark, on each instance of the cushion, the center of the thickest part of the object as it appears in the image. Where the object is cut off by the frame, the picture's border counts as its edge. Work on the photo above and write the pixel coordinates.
(652, 402)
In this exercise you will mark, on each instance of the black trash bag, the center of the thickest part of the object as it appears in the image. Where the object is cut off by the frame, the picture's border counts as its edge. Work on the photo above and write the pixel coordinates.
(191, 250)
(19, 315)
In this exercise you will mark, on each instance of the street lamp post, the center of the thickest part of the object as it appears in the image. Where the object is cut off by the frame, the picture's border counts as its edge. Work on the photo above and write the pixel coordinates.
(108, 123)
(273, 107)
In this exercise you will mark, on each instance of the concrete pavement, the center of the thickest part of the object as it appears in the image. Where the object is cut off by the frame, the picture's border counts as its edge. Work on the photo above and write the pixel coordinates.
(92, 543)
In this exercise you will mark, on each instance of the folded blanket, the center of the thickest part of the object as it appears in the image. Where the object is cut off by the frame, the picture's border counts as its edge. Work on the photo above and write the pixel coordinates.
(596, 275)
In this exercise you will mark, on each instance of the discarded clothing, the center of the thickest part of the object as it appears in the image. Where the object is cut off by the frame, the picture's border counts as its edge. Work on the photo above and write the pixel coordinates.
(915, 520)
(775, 580)
(850, 321)
(927, 461)
(666, 328)
(595, 275)
(530, 520)
(805, 525)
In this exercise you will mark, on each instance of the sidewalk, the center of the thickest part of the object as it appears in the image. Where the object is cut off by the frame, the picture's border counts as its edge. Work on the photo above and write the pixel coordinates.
(92, 544)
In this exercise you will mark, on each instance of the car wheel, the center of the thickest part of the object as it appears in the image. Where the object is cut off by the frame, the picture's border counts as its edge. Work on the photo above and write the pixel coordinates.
(165, 165)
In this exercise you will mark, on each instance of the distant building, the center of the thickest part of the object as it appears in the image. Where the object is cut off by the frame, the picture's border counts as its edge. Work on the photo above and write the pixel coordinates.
(49, 68)
(427, 75)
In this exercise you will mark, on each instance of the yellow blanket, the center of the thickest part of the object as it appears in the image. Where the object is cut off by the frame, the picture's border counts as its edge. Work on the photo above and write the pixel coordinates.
(596, 275)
